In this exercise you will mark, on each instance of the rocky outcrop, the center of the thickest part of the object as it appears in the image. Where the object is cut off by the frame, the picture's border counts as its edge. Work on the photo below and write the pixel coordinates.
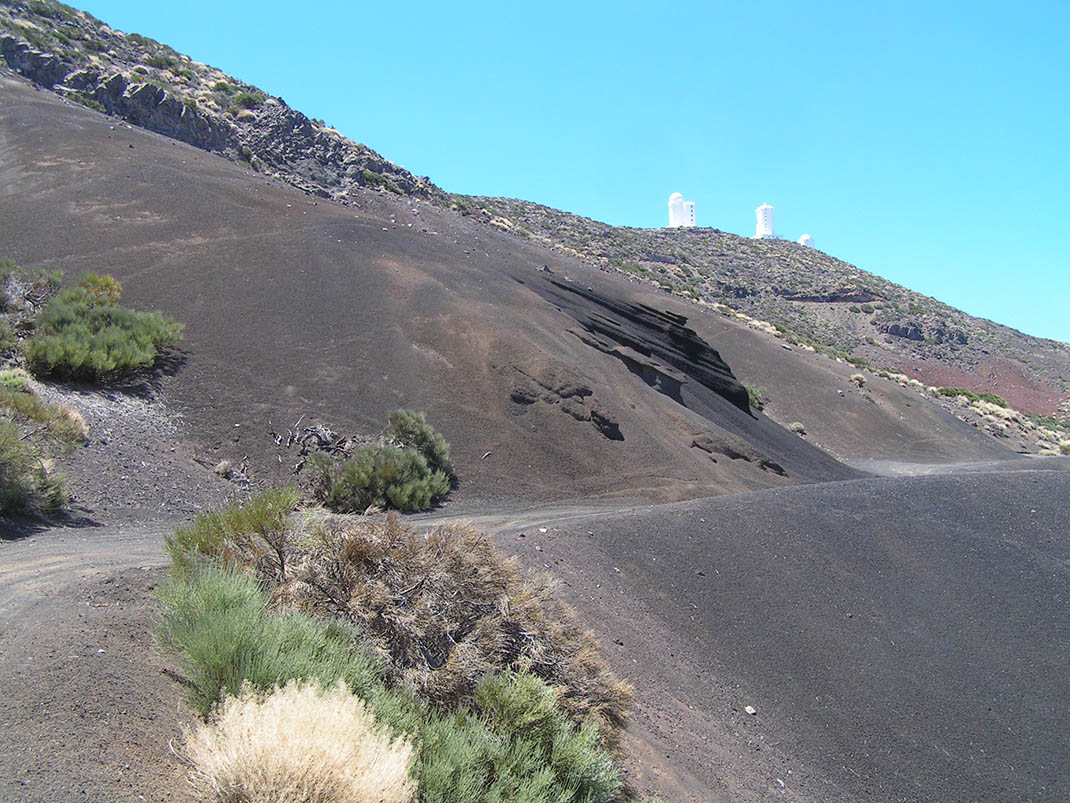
(561, 387)
(909, 331)
(151, 86)
(655, 345)
(734, 449)
(934, 333)
(848, 295)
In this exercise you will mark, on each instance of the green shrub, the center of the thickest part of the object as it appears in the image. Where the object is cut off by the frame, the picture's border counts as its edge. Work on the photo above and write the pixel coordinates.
(239, 533)
(224, 87)
(408, 470)
(104, 288)
(384, 476)
(88, 102)
(8, 341)
(26, 486)
(991, 398)
(756, 396)
(220, 622)
(161, 61)
(61, 426)
(370, 178)
(80, 336)
(409, 428)
(248, 100)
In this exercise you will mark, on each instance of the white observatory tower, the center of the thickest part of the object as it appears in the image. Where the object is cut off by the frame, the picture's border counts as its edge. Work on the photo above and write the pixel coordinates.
(806, 240)
(763, 229)
(681, 212)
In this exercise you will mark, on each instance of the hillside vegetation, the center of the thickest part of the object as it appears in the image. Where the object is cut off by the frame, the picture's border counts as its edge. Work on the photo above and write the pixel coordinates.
(471, 672)
(805, 296)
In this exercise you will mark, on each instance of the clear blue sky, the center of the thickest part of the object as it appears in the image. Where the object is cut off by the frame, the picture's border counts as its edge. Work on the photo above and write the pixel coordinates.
(926, 142)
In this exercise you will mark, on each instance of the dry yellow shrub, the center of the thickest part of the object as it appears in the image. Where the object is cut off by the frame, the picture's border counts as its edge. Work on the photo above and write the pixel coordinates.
(299, 744)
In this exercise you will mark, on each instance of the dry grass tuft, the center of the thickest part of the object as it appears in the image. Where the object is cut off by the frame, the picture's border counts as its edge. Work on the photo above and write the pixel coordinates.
(446, 609)
(299, 744)
(859, 380)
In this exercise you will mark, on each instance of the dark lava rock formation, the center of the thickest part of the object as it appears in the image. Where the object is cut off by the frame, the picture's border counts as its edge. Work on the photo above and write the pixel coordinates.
(654, 344)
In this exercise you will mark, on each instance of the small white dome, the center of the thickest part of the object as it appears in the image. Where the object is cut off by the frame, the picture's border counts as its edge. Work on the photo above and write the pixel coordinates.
(676, 197)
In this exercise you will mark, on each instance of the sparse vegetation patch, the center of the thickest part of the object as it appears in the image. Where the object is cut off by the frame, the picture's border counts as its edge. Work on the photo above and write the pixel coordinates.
(447, 646)
(991, 398)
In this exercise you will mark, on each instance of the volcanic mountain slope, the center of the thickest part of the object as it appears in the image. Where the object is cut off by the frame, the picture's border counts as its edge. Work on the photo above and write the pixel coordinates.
(296, 307)
(556, 381)
(810, 297)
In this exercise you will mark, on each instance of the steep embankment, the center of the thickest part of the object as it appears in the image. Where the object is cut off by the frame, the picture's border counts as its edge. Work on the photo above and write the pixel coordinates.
(296, 307)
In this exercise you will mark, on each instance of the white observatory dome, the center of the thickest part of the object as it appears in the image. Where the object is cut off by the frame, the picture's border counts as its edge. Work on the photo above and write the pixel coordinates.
(763, 229)
(681, 212)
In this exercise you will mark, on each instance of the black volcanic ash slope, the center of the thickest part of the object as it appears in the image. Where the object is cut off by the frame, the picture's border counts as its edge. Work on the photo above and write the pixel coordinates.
(295, 307)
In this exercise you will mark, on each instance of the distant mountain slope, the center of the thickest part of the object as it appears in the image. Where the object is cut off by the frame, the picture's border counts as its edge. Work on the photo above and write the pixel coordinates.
(809, 297)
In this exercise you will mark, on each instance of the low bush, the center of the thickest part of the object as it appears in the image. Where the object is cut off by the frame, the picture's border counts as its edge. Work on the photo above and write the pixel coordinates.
(299, 743)
(83, 336)
(26, 485)
(380, 476)
(408, 469)
(410, 429)
(442, 610)
(370, 178)
(104, 288)
(63, 426)
(756, 396)
(8, 341)
(239, 535)
(248, 100)
(161, 61)
(30, 431)
(447, 608)
(991, 398)
(221, 623)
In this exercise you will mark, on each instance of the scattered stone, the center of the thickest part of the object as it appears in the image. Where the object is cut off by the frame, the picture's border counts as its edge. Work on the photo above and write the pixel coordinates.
(750, 709)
